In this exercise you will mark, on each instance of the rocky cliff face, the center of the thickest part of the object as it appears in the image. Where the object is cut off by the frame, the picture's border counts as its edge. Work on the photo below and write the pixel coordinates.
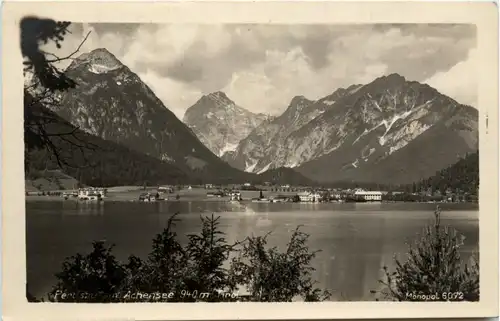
(219, 123)
(266, 147)
(390, 130)
(111, 102)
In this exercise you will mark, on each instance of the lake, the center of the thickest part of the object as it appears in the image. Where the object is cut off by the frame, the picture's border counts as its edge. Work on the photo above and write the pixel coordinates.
(356, 239)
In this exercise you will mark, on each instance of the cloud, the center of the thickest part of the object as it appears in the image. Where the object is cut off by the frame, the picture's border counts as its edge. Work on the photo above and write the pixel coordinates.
(172, 93)
(261, 67)
(460, 81)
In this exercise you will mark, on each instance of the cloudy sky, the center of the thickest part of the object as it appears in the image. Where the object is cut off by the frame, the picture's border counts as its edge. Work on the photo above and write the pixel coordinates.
(261, 67)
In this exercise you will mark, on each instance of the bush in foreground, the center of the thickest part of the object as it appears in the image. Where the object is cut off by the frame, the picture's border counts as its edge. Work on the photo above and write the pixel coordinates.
(434, 270)
(191, 273)
(274, 276)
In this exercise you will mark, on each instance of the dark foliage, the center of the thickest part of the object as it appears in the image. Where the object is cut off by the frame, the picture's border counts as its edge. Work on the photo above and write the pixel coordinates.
(191, 273)
(45, 82)
(462, 176)
(95, 277)
(434, 270)
(34, 33)
(283, 175)
(274, 276)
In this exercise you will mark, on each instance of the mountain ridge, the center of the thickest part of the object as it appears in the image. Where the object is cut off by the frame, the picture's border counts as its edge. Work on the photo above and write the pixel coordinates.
(111, 102)
(373, 131)
(90, 159)
(385, 115)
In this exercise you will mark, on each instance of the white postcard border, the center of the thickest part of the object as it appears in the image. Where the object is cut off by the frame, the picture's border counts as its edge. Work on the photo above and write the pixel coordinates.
(483, 14)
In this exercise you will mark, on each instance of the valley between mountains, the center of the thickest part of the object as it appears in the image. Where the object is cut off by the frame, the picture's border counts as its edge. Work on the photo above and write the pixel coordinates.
(389, 131)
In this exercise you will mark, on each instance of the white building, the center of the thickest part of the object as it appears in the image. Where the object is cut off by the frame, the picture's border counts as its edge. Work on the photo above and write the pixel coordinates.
(336, 195)
(369, 195)
(309, 197)
(91, 193)
(165, 189)
(235, 196)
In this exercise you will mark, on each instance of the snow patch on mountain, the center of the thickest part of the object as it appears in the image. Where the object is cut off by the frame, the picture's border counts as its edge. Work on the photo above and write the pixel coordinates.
(292, 164)
(250, 168)
(355, 89)
(395, 118)
(265, 168)
(101, 69)
(365, 158)
(229, 147)
(406, 134)
(367, 131)
(388, 126)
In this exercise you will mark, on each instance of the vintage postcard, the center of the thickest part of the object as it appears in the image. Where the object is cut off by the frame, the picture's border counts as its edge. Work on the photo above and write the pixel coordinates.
(200, 160)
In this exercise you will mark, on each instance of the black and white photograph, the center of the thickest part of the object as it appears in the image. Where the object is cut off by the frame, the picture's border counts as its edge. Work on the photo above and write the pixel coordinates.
(169, 162)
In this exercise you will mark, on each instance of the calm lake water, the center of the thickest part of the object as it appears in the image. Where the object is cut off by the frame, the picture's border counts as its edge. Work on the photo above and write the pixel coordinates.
(356, 240)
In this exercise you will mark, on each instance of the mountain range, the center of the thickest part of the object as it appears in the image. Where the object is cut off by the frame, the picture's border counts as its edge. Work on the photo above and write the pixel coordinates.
(113, 103)
(390, 131)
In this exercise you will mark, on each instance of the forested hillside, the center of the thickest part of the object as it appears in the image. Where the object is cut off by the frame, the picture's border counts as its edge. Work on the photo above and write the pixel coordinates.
(90, 159)
(462, 176)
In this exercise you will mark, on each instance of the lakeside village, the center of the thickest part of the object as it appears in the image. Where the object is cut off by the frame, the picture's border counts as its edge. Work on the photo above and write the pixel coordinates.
(270, 194)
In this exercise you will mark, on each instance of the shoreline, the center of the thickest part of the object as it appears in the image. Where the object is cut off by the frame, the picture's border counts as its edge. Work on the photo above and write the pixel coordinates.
(113, 199)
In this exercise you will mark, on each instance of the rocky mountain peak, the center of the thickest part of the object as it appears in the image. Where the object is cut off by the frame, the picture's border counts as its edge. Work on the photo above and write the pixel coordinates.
(297, 104)
(390, 80)
(299, 100)
(97, 61)
(218, 95)
(215, 100)
(395, 76)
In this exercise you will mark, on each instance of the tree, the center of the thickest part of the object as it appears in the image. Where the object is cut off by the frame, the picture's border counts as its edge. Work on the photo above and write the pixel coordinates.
(273, 276)
(34, 32)
(40, 127)
(462, 176)
(207, 253)
(95, 277)
(165, 267)
(434, 266)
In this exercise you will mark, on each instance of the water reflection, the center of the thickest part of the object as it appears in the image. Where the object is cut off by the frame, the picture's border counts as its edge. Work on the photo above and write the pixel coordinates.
(355, 241)
(90, 208)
